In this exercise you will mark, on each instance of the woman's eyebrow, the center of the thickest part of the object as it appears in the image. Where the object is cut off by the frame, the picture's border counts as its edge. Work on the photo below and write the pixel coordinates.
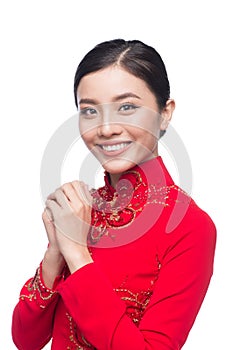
(88, 101)
(125, 95)
(114, 99)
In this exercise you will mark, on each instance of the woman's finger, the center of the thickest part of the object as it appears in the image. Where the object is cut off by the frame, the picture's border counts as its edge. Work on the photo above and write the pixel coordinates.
(53, 207)
(82, 192)
(71, 194)
(47, 215)
(59, 197)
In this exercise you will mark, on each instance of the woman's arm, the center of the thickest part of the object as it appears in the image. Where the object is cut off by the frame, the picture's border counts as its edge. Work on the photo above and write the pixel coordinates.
(187, 267)
(32, 320)
(33, 315)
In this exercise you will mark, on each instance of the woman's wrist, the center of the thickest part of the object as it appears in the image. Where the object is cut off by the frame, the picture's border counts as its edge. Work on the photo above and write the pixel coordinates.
(78, 258)
(52, 266)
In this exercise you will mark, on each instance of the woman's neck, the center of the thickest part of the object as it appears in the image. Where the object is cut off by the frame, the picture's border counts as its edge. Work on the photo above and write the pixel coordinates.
(114, 178)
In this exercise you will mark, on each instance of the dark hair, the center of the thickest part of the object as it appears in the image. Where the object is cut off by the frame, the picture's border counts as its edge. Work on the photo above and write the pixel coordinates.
(134, 56)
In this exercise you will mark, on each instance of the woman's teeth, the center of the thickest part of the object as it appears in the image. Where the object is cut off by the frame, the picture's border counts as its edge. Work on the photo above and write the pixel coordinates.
(111, 148)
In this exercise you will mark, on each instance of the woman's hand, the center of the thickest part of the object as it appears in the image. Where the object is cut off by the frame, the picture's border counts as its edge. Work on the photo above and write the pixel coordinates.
(70, 208)
(51, 231)
(53, 261)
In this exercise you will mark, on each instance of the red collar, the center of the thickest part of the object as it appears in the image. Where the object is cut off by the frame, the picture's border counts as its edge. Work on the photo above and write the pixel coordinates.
(152, 171)
(115, 208)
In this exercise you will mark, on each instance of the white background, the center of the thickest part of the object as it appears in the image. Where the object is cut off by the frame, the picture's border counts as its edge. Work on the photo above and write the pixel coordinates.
(41, 44)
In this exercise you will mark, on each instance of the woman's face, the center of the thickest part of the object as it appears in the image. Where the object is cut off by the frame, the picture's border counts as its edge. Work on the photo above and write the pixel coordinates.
(119, 118)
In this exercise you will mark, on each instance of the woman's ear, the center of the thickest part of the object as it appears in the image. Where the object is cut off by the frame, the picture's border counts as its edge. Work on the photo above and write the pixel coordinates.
(166, 114)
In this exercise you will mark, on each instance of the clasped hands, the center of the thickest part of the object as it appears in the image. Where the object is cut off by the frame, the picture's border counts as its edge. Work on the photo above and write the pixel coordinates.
(67, 218)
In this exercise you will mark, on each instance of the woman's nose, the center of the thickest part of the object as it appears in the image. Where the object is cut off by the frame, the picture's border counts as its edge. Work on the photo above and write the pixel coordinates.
(108, 129)
(109, 124)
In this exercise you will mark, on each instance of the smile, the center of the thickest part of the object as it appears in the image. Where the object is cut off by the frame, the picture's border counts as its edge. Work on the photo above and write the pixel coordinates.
(113, 148)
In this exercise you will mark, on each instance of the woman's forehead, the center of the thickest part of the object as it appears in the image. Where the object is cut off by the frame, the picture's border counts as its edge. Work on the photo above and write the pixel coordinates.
(110, 85)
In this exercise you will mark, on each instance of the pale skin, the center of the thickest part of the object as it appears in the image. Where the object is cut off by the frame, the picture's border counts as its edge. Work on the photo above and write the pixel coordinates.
(117, 145)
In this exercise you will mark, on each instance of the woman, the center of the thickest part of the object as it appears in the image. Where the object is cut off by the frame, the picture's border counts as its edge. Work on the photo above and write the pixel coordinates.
(127, 265)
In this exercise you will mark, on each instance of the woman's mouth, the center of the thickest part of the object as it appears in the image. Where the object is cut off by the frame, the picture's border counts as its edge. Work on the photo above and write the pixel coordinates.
(114, 149)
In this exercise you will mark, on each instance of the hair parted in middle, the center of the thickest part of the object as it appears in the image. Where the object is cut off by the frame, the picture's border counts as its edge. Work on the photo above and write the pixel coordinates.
(135, 57)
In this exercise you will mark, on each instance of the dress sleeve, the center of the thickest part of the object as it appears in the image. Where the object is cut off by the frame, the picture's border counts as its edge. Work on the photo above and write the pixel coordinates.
(187, 266)
(32, 320)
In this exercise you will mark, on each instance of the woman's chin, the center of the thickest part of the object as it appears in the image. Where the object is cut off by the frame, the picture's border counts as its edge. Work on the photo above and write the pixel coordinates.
(118, 166)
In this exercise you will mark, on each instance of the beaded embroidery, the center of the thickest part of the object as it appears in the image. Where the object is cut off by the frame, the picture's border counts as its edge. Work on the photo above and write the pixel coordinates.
(79, 341)
(118, 210)
(35, 287)
(136, 302)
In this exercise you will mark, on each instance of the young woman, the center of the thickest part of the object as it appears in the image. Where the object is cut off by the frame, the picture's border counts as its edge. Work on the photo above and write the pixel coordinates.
(127, 265)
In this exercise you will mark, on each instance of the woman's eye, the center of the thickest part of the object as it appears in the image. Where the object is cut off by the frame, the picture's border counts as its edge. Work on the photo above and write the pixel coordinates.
(128, 108)
(88, 112)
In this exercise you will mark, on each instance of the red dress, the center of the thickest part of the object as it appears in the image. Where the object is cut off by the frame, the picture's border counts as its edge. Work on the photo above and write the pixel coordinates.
(153, 251)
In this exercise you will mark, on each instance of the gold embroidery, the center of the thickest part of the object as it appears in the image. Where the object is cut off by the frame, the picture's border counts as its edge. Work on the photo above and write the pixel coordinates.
(113, 211)
(36, 287)
(119, 209)
(136, 302)
(81, 343)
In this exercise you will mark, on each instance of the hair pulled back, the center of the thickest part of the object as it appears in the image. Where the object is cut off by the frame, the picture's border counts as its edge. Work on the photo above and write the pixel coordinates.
(135, 57)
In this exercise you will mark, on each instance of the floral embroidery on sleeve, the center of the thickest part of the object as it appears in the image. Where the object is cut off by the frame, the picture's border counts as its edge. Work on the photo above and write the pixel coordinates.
(36, 290)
